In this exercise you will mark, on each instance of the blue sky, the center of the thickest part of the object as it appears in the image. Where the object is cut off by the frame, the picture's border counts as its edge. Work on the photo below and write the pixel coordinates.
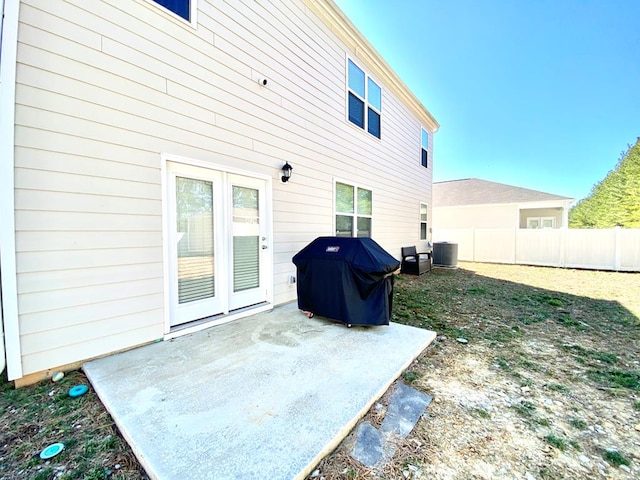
(541, 94)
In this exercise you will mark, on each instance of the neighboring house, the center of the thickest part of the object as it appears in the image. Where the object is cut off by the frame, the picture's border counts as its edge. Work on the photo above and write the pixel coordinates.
(474, 203)
(141, 152)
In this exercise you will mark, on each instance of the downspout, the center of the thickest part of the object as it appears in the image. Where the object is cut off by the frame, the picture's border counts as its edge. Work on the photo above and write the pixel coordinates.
(8, 278)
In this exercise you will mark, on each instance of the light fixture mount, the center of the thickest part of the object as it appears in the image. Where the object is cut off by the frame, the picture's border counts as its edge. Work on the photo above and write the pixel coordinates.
(286, 172)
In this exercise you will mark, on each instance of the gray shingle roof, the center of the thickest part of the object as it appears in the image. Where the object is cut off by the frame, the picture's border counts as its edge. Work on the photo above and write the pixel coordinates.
(473, 191)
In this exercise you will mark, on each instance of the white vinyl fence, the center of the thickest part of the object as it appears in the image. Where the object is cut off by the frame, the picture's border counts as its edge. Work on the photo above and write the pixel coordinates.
(598, 249)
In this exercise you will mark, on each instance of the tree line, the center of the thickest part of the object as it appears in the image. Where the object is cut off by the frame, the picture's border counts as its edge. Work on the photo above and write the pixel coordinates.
(614, 201)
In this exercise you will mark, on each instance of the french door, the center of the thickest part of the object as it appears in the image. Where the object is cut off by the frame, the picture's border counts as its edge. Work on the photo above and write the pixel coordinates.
(217, 240)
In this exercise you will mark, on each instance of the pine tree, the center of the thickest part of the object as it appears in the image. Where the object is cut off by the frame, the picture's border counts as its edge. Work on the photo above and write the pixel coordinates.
(616, 199)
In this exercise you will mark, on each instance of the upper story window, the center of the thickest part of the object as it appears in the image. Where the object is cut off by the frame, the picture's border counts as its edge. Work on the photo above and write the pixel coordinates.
(424, 150)
(365, 100)
(181, 8)
(353, 211)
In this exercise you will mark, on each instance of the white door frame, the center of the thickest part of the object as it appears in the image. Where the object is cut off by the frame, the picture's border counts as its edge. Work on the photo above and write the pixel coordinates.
(168, 235)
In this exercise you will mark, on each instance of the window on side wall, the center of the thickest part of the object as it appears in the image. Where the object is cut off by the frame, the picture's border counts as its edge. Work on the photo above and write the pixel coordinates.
(181, 8)
(353, 211)
(365, 100)
(423, 222)
(424, 150)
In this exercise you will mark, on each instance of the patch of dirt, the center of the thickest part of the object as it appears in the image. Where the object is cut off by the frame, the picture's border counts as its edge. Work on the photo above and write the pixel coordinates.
(547, 387)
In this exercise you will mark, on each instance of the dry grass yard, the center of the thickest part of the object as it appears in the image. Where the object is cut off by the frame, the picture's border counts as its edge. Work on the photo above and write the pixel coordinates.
(546, 387)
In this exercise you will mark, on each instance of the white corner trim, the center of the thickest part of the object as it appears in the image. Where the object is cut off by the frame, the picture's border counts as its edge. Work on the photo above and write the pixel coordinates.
(166, 255)
(8, 280)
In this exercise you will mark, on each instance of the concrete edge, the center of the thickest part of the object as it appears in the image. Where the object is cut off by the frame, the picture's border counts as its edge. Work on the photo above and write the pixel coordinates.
(342, 434)
(123, 431)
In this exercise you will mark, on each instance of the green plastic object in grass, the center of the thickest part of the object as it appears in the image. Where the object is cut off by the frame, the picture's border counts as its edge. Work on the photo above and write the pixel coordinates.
(51, 451)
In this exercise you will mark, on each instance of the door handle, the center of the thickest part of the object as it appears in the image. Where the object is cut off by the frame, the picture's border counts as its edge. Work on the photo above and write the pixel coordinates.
(264, 247)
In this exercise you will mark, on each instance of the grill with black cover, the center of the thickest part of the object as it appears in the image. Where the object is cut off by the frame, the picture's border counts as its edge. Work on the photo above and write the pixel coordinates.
(346, 279)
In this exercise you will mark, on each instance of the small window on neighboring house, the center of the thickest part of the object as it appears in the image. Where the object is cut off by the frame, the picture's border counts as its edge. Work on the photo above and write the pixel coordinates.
(423, 221)
(424, 151)
(541, 222)
(365, 100)
(353, 211)
(179, 7)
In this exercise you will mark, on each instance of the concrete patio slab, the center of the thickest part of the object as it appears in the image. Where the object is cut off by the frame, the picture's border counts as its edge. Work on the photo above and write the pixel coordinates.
(266, 396)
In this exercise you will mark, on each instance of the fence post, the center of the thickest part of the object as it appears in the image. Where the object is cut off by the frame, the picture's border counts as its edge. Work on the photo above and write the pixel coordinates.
(563, 247)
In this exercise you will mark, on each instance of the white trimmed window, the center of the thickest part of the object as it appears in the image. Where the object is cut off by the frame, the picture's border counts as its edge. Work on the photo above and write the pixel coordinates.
(182, 8)
(541, 222)
(353, 211)
(424, 150)
(364, 100)
(423, 222)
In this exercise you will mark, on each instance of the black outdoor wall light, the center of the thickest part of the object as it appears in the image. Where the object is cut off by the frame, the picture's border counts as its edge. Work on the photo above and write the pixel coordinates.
(286, 172)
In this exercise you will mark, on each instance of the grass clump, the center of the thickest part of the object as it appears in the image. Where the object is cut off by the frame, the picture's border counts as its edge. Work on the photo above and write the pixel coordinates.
(525, 408)
(556, 387)
(502, 335)
(566, 320)
(476, 290)
(528, 365)
(575, 445)
(410, 376)
(531, 320)
(615, 458)
(44, 474)
(592, 357)
(481, 412)
(544, 422)
(557, 442)
(503, 364)
(550, 300)
(616, 378)
(577, 423)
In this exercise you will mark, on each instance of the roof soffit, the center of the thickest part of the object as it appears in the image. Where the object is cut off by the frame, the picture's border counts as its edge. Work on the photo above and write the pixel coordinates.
(344, 29)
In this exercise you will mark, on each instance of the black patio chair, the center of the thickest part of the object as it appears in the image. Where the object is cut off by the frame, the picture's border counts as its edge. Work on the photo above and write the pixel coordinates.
(414, 263)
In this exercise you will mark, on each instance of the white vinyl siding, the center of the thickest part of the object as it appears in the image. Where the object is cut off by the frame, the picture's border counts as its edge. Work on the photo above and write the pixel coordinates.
(103, 90)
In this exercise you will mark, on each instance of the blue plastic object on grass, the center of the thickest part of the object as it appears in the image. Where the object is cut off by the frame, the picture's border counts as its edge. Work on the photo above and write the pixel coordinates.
(78, 390)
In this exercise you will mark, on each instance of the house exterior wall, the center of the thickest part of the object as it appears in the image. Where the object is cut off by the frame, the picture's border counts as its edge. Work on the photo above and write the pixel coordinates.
(105, 87)
(476, 216)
